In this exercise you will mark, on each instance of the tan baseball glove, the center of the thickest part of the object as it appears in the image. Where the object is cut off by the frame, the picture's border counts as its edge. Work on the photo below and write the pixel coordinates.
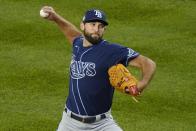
(122, 80)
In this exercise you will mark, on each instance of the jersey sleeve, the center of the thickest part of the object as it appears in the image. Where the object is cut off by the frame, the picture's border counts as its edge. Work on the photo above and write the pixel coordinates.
(123, 55)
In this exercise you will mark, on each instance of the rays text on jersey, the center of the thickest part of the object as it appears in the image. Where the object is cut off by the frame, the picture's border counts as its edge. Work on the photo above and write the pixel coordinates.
(81, 69)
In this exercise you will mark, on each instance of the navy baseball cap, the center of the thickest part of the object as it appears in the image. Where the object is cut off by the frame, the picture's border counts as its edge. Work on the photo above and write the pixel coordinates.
(94, 15)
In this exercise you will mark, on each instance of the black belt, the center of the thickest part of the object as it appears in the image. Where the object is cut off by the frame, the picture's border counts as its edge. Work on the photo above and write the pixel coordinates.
(90, 119)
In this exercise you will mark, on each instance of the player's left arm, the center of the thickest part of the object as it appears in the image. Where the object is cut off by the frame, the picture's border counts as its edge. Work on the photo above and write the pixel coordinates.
(147, 67)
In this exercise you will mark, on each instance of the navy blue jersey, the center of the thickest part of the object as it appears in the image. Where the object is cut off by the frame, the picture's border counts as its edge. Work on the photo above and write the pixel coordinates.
(90, 92)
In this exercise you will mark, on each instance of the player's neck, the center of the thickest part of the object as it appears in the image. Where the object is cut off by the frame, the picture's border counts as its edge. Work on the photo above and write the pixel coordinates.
(86, 43)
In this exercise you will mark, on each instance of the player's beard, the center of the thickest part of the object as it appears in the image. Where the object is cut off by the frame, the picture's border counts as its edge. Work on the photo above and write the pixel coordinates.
(93, 40)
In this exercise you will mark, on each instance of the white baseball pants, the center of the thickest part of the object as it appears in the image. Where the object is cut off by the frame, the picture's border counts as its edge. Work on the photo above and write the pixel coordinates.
(69, 124)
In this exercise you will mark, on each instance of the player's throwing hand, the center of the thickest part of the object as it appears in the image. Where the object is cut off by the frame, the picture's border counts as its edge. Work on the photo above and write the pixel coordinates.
(51, 14)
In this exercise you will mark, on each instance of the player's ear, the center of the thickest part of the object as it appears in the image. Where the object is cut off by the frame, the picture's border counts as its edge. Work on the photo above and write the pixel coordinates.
(105, 28)
(82, 26)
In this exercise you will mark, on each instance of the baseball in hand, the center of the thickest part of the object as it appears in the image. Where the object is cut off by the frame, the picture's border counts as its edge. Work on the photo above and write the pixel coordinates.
(43, 14)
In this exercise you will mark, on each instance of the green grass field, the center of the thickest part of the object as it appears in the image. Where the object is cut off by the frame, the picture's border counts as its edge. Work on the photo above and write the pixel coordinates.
(35, 58)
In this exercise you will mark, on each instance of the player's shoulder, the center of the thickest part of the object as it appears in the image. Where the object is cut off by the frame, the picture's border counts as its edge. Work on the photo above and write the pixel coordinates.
(112, 46)
(77, 40)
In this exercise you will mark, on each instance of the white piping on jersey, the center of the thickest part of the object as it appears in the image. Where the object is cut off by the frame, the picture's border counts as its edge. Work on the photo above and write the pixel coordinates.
(74, 96)
(85, 52)
(78, 48)
(102, 41)
(78, 86)
(127, 60)
(81, 98)
(130, 54)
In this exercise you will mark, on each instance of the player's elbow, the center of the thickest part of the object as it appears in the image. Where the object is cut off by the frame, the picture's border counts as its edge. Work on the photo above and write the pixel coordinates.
(148, 64)
(152, 65)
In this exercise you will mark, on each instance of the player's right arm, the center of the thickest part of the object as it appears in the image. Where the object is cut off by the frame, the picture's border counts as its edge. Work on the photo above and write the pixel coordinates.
(70, 31)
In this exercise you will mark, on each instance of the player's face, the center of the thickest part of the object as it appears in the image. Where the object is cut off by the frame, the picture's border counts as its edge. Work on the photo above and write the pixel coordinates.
(93, 32)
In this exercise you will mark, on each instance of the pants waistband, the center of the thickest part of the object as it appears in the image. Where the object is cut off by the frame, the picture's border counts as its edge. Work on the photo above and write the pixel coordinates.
(89, 119)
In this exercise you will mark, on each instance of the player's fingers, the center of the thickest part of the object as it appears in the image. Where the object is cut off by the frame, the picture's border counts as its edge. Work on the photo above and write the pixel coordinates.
(126, 89)
(47, 9)
(134, 91)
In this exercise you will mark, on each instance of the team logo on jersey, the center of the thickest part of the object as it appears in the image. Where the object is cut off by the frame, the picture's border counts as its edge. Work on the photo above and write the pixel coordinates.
(81, 69)
(98, 13)
(131, 52)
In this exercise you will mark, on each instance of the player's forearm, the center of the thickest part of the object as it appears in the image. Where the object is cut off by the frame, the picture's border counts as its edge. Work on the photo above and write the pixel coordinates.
(69, 30)
(148, 68)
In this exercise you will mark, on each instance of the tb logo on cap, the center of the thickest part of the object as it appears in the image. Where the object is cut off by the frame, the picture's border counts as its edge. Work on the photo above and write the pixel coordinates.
(98, 13)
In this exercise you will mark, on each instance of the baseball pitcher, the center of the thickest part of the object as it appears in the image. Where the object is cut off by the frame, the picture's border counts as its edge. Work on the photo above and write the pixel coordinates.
(97, 69)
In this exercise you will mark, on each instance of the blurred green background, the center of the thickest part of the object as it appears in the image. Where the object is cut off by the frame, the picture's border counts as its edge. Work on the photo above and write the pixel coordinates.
(35, 58)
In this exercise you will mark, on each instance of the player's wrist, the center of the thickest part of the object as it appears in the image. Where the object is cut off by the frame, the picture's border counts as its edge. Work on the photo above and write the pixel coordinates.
(141, 85)
(56, 17)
